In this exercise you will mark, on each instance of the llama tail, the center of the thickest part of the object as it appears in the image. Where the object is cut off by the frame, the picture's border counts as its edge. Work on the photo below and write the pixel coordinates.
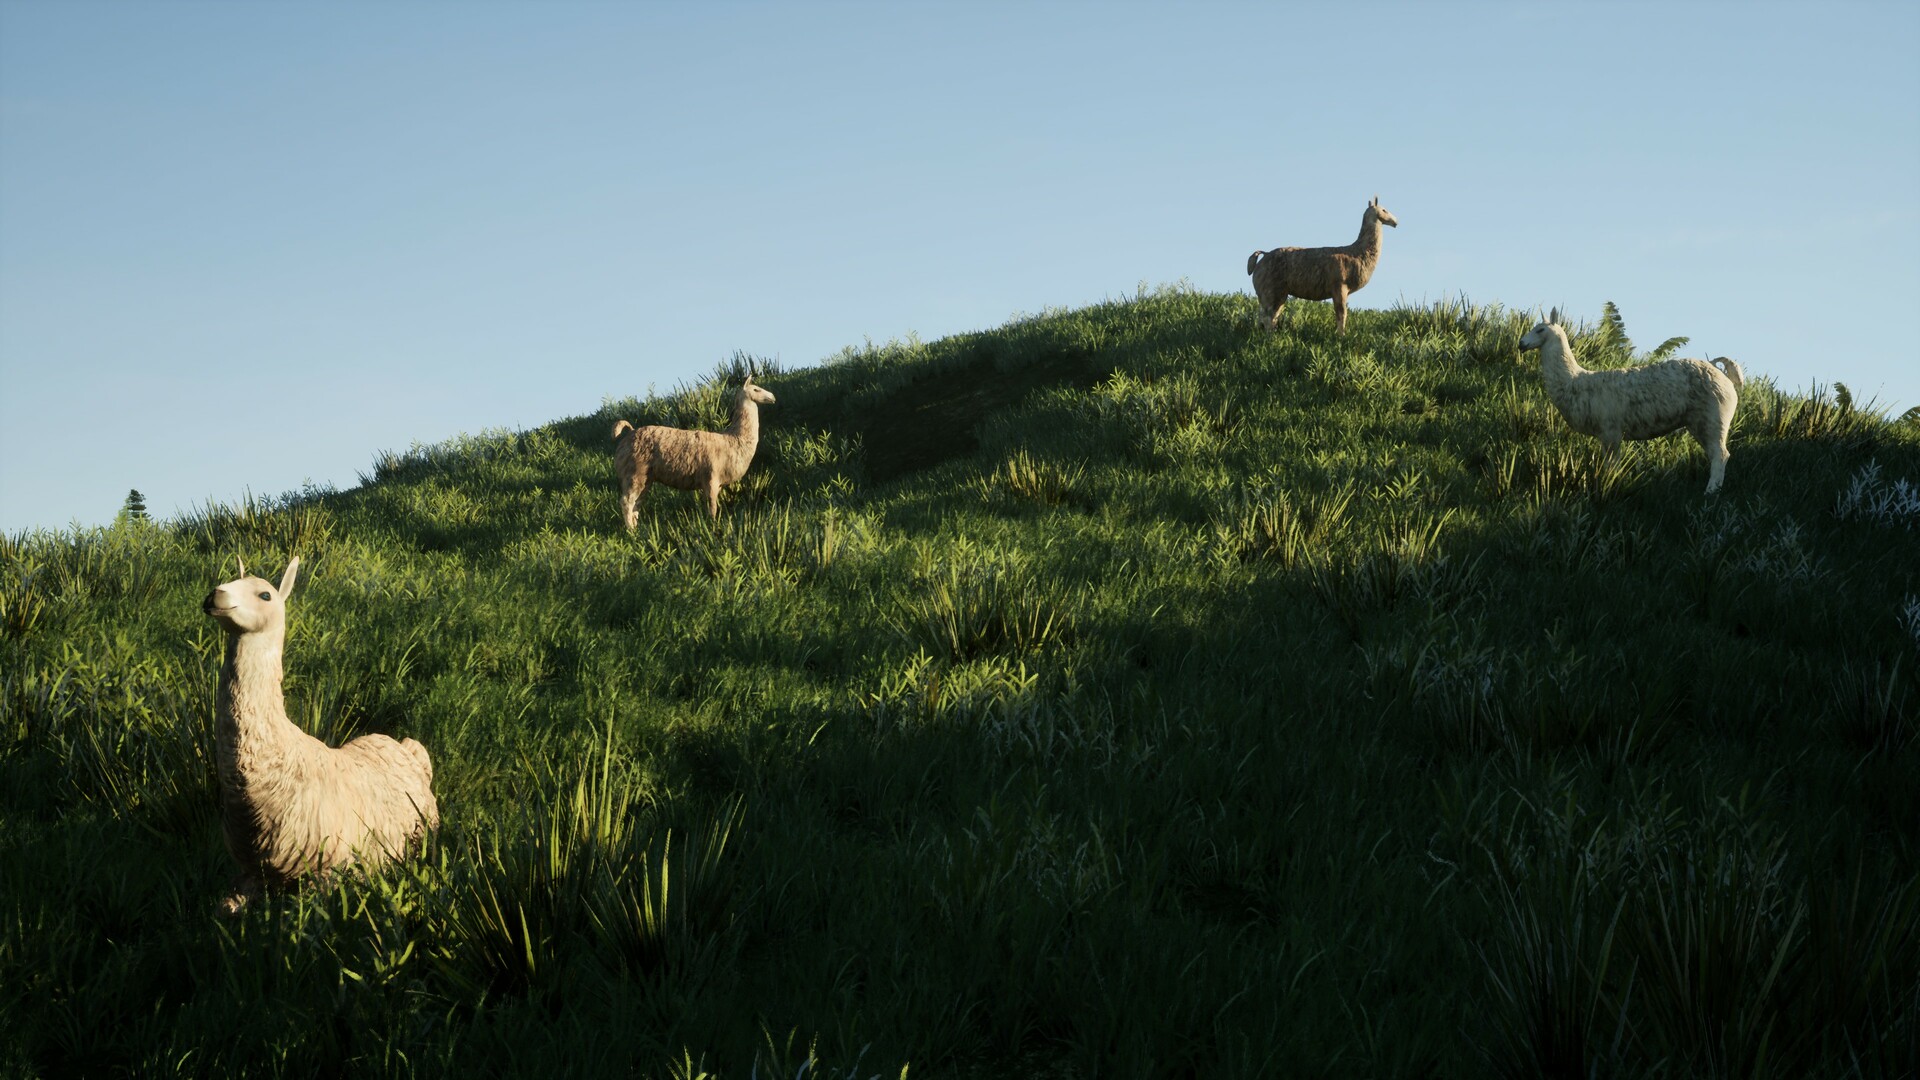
(1253, 260)
(620, 426)
(1731, 367)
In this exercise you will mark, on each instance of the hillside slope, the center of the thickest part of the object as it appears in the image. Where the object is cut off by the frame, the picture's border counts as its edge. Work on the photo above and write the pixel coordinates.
(1121, 692)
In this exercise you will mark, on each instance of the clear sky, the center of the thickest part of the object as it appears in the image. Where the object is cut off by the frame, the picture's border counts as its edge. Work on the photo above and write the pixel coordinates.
(243, 246)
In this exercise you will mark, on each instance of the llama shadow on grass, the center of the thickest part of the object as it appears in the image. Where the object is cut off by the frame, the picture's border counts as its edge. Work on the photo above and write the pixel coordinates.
(936, 417)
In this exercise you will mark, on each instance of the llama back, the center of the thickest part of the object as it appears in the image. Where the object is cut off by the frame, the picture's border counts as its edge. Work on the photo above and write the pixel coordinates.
(683, 458)
(364, 803)
(398, 772)
(1308, 273)
(382, 797)
(1638, 403)
(1253, 260)
(1647, 401)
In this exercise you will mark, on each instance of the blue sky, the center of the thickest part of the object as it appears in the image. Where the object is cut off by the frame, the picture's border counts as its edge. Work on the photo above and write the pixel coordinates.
(247, 246)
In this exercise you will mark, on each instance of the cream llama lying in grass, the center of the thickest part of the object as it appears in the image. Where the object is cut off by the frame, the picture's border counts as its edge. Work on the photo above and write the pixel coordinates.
(290, 805)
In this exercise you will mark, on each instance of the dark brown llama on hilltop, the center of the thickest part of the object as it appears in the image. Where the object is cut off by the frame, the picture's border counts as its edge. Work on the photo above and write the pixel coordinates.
(1322, 273)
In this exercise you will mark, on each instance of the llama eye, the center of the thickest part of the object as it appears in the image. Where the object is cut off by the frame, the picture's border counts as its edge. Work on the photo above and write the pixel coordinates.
(266, 596)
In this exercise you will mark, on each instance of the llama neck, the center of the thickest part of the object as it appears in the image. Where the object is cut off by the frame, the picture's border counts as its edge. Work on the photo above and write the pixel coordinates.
(250, 711)
(1367, 246)
(746, 424)
(1558, 368)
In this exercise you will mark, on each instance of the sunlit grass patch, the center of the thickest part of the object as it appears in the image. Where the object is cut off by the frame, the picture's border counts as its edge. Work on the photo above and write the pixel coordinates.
(1036, 480)
(128, 734)
(1264, 521)
(1825, 413)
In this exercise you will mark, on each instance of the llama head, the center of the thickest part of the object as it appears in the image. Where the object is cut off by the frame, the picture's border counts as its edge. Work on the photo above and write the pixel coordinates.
(1380, 213)
(248, 604)
(751, 391)
(1537, 336)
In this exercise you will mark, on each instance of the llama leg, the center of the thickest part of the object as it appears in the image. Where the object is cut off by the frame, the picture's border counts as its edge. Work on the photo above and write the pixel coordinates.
(713, 497)
(1273, 321)
(1340, 310)
(630, 502)
(1714, 442)
(1716, 466)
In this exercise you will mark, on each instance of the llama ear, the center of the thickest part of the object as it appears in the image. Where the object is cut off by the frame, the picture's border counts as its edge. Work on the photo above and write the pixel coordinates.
(243, 565)
(286, 578)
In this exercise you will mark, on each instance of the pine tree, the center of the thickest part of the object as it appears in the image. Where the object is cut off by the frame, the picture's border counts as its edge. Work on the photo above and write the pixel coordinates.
(135, 508)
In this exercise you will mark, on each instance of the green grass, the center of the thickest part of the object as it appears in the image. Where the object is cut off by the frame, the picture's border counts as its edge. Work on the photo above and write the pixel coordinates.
(1119, 693)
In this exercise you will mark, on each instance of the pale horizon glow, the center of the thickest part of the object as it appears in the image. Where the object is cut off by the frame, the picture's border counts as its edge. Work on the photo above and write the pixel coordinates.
(245, 247)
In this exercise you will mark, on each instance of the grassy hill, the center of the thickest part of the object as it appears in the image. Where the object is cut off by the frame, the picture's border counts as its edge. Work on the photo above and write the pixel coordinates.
(1122, 692)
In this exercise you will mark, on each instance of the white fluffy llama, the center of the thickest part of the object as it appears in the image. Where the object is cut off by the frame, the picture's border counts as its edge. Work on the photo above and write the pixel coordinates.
(290, 805)
(1642, 402)
(1322, 273)
(689, 460)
